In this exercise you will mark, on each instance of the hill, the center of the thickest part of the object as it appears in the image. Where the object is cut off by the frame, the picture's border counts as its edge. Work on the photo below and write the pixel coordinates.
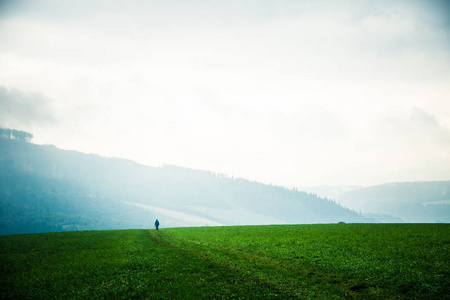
(425, 202)
(325, 261)
(43, 188)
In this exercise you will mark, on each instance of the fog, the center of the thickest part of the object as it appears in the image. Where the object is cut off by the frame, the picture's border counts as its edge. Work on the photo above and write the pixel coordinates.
(48, 189)
(293, 93)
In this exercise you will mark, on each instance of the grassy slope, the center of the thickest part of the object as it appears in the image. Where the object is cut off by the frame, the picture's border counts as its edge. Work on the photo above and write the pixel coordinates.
(299, 261)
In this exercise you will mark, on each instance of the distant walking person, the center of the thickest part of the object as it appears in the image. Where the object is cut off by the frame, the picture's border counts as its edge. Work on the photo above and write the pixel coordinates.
(157, 224)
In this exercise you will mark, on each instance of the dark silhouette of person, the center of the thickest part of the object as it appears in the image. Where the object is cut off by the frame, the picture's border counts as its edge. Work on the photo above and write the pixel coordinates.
(157, 224)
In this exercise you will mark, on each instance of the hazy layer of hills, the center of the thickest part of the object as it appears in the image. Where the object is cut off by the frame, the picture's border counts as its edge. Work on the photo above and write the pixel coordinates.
(43, 188)
(419, 202)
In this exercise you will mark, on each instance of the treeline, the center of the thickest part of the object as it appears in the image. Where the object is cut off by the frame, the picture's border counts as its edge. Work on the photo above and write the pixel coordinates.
(49, 189)
(14, 134)
(32, 203)
(417, 202)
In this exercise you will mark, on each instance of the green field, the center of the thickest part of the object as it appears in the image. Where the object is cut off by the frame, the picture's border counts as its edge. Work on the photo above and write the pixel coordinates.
(375, 261)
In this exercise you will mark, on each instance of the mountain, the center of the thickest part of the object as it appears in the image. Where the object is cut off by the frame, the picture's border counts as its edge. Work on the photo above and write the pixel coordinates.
(328, 191)
(419, 202)
(43, 188)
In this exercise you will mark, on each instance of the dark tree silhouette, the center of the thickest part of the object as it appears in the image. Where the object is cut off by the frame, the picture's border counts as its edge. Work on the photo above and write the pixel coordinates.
(14, 134)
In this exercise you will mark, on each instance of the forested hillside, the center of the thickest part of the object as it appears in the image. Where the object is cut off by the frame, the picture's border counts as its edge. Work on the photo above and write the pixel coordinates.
(43, 188)
(405, 201)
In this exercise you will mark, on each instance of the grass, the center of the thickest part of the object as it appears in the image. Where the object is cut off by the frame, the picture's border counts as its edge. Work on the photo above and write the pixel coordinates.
(361, 261)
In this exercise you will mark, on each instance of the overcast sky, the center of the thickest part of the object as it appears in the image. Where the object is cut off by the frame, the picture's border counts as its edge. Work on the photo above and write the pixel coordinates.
(293, 93)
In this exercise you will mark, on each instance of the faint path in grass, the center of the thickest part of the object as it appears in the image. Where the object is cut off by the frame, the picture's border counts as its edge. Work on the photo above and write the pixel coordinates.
(367, 261)
(297, 280)
(124, 264)
(249, 262)
(245, 284)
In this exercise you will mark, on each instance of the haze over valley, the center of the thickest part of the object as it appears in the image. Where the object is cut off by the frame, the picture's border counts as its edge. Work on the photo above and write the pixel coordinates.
(44, 188)
(223, 112)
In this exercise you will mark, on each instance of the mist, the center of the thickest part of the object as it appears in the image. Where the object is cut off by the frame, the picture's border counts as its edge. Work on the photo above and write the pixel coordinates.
(48, 189)
(288, 93)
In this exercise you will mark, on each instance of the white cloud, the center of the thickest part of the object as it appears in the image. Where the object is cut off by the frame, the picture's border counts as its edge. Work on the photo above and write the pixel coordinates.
(19, 109)
(417, 144)
(289, 93)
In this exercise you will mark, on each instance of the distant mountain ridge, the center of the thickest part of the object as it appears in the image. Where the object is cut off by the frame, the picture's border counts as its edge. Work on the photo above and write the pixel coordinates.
(328, 191)
(43, 188)
(427, 201)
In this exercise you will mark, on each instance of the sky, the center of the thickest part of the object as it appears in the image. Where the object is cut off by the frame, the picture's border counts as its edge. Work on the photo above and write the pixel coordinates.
(292, 93)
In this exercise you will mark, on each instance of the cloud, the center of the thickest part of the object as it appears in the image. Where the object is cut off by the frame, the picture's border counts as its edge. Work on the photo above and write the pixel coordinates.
(18, 109)
(414, 147)
(297, 85)
(423, 126)
(420, 132)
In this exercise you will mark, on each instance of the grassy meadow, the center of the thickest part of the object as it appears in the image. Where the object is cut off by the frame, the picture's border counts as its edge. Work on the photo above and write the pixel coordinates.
(330, 261)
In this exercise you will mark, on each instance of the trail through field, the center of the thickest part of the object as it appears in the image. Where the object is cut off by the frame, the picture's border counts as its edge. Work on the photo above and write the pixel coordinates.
(284, 278)
(362, 261)
(122, 264)
(365, 261)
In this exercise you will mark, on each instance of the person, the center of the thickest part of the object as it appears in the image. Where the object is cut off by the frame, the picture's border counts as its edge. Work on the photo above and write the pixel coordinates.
(157, 224)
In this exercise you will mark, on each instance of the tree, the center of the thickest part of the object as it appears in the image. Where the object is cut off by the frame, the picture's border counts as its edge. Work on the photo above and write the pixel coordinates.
(14, 134)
